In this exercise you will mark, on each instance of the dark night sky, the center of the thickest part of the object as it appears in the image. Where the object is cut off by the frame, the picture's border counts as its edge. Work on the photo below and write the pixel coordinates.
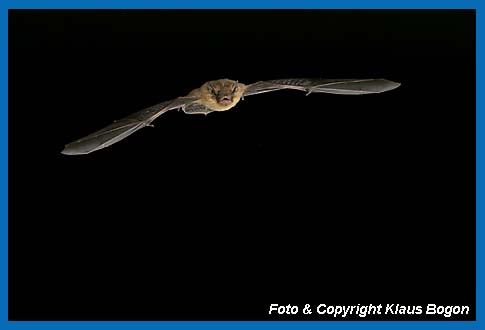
(284, 199)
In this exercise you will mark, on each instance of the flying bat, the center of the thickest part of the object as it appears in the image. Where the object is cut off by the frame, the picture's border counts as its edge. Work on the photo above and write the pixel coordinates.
(220, 95)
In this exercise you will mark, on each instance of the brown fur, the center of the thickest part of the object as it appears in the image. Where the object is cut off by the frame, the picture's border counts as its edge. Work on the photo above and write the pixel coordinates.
(223, 88)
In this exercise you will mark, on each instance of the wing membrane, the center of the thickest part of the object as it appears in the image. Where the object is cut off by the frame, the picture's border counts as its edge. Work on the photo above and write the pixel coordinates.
(332, 86)
(122, 128)
(197, 108)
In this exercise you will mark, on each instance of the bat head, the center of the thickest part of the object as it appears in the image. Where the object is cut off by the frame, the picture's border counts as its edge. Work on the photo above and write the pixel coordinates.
(223, 94)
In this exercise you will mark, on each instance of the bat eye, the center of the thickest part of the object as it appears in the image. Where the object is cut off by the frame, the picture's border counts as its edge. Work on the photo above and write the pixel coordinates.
(211, 89)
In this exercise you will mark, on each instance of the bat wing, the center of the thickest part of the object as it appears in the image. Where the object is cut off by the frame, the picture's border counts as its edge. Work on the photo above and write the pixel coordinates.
(122, 128)
(333, 86)
(196, 108)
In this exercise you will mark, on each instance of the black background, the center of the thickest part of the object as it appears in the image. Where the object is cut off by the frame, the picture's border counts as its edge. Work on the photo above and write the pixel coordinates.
(284, 199)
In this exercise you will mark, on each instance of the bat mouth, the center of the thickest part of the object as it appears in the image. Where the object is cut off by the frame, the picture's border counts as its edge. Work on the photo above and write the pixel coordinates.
(225, 100)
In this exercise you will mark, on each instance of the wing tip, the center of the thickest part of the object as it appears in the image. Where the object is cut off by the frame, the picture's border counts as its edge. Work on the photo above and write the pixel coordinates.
(68, 151)
(390, 85)
(71, 151)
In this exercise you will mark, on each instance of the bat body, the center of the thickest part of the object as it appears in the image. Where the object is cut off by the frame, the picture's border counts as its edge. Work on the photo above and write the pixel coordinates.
(220, 95)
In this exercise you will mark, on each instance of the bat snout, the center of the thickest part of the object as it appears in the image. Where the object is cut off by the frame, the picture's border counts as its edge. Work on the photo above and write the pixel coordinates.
(225, 100)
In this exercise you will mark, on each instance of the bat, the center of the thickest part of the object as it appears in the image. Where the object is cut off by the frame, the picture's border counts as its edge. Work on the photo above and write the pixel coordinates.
(220, 95)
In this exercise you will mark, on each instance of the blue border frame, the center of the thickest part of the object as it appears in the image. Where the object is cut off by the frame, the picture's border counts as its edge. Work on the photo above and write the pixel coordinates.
(181, 4)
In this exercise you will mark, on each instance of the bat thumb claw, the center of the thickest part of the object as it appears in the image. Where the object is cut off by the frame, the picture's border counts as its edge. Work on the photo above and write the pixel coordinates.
(150, 125)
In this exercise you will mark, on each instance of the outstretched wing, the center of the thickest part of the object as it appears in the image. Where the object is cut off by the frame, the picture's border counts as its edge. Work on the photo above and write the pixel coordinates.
(124, 127)
(333, 86)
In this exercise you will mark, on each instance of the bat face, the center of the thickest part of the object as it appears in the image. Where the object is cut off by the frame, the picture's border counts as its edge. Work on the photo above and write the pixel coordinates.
(222, 94)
